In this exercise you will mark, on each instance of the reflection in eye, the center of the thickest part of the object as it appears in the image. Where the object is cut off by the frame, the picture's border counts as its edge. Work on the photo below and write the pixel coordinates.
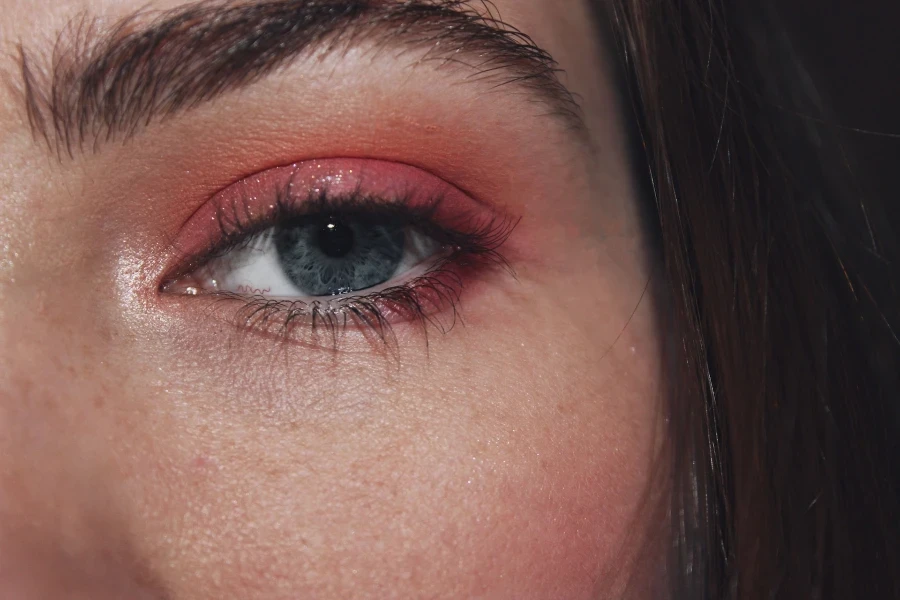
(332, 254)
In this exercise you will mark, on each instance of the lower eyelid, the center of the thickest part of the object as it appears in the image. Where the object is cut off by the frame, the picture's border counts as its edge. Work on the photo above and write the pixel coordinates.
(429, 300)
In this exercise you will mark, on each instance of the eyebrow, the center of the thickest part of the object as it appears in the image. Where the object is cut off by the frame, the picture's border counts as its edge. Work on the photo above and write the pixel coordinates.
(98, 87)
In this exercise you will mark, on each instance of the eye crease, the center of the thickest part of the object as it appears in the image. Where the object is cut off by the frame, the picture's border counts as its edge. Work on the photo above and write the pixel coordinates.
(340, 244)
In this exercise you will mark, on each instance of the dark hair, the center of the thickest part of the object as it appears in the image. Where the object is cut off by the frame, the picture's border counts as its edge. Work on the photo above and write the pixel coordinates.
(782, 292)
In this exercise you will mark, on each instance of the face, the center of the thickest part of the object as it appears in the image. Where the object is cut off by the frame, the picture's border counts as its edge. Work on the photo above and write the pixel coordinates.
(298, 302)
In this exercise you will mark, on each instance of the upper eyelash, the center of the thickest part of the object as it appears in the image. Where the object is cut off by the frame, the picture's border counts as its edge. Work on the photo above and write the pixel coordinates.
(239, 229)
(472, 242)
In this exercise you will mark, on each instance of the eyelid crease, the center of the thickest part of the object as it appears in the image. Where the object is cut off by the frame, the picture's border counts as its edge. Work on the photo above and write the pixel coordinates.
(100, 86)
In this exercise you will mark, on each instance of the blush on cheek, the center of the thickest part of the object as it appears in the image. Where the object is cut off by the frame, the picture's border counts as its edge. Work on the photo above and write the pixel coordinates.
(550, 530)
(521, 526)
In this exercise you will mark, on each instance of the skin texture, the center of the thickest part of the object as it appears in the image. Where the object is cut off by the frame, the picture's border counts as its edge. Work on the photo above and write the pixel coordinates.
(149, 448)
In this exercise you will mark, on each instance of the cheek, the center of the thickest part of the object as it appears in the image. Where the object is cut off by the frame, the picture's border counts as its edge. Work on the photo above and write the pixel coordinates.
(532, 491)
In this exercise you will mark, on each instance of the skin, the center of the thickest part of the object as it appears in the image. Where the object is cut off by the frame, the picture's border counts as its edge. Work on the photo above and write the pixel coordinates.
(149, 448)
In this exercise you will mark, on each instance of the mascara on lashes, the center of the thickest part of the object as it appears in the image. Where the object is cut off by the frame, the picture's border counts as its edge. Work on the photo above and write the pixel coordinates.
(467, 237)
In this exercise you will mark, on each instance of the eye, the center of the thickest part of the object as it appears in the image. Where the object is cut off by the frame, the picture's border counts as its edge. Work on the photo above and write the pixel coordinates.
(323, 256)
(339, 243)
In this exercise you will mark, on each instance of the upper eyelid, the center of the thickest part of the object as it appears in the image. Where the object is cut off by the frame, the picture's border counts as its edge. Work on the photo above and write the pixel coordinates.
(255, 203)
(479, 239)
(109, 85)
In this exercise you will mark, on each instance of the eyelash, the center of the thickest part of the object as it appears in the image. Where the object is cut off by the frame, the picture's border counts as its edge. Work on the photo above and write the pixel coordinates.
(473, 245)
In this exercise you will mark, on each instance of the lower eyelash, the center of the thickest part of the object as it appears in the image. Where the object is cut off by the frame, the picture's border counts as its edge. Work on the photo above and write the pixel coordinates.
(431, 300)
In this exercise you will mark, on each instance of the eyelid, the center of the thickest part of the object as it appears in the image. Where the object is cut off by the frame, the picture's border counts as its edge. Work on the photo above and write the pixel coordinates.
(253, 199)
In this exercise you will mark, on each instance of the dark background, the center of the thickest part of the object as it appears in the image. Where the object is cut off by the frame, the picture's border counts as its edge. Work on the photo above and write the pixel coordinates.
(852, 51)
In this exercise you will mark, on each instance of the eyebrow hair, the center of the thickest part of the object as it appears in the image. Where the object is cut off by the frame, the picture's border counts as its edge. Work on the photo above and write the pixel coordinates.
(100, 87)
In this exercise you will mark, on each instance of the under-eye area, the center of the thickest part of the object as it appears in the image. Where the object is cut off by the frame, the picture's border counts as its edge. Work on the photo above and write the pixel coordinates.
(311, 250)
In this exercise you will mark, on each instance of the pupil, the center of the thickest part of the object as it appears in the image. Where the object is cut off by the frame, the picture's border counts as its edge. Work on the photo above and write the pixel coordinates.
(335, 239)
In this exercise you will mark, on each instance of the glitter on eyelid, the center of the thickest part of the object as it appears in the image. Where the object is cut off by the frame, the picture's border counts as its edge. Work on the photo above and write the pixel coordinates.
(337, 177)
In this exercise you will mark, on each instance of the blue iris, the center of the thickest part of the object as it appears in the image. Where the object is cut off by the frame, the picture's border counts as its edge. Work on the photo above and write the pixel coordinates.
(327, 256)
